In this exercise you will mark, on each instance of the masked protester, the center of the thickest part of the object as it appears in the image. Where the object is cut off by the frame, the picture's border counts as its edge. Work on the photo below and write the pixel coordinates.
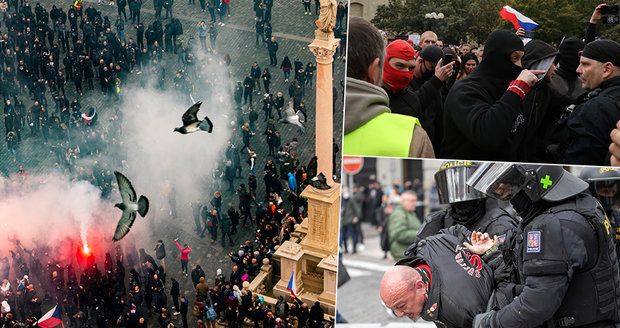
(398, 69)
(370, 127)
(430, 73)
(564, 254)
(483, 113)
(566, 81)
(543, 105)
(468, 207)
(604, 183)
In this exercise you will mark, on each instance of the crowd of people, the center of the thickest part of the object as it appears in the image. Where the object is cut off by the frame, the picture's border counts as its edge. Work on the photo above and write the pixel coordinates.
(83, 44)
(511, 99)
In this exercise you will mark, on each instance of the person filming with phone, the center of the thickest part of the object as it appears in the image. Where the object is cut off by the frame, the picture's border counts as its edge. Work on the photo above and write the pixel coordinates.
(484, 112)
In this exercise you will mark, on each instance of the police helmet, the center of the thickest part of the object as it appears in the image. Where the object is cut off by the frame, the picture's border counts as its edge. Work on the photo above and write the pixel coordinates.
(451, 181)
(547, 182)
(603, 183)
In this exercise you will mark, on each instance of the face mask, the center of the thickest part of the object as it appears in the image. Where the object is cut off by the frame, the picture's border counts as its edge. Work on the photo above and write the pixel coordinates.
(427, 73)
(522, 203)
(397, 80)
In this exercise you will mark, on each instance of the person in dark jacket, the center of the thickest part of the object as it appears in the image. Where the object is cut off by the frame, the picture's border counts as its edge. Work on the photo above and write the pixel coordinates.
(430, 73)
(160, 253)
(184, 307)
(175, 291)
(543, 105)
(566, 80)
(564, 253)
(420, 285)
(483, 113)
(590, 124)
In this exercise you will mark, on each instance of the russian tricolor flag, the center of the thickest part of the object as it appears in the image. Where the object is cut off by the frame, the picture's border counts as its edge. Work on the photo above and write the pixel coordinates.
(51, 319)
(517, 19)
(291, 285)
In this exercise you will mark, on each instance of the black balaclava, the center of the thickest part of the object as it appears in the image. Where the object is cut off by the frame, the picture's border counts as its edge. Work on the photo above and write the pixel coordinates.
(468, 211)
(526, 207)
(496, 68)
(569, 57)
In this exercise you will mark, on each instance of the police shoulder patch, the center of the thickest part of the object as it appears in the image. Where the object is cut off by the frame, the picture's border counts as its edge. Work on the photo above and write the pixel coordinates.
(533, 241)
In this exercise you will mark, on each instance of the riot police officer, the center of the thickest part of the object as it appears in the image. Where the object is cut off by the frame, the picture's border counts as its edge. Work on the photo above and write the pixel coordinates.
(468, 207)
(564, 250)
(604, 184)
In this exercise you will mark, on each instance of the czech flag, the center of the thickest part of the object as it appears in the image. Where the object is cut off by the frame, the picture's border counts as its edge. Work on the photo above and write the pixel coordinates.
(517, 19)
(291, 285)
(51, 319)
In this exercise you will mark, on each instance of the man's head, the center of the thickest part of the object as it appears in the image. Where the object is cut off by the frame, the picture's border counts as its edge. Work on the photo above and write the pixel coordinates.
(426, 62)
(600, 61)
(465, 49)
(403, 291)
(399, 65)
(366, 51)
(408, 200)
(428, 38)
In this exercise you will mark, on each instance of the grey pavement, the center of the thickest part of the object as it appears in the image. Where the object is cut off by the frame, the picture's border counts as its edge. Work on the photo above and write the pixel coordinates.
(358, 299)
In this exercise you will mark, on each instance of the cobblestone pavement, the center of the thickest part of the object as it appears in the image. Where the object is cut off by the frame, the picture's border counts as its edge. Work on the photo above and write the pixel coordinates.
(294, 31)
(358, 299)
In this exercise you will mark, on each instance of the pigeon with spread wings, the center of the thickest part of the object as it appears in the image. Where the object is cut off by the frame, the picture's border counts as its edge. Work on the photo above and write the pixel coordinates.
(191, 123)
(130, 205)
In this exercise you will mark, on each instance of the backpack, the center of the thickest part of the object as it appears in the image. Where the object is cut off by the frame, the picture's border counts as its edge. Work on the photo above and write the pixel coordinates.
(385, 236)
(210, 313)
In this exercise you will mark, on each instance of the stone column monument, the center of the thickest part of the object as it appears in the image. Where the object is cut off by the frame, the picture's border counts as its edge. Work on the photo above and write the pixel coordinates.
(323, 47)
(314, 259)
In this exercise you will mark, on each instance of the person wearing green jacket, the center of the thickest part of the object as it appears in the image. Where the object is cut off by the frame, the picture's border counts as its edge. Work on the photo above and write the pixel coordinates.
(403, 225)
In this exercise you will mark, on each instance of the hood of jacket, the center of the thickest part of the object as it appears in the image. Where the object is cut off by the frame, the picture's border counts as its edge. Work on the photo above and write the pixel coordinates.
(364, 101)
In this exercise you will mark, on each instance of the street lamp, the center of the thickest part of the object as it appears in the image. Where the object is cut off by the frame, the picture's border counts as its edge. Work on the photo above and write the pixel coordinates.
(433, 16)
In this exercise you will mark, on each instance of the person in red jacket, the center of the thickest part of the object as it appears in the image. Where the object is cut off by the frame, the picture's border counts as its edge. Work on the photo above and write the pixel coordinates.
(185, 250)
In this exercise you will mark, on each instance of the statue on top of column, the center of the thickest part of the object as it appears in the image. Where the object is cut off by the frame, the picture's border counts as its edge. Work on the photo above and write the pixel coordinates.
(327, 17)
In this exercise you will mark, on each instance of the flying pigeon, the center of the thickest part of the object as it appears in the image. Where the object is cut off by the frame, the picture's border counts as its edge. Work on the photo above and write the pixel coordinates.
(296, 118)
(129, 206)
(320, 182)
(191, 123)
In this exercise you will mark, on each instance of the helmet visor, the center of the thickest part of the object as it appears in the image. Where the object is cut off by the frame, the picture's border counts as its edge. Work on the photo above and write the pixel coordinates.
(452, 185)
(498, 180)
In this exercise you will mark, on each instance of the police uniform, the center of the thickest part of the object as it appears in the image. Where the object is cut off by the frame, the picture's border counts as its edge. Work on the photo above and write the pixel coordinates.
(608, 178)
(492, 219)
(565, 254)
(460, 282)
(468, 207)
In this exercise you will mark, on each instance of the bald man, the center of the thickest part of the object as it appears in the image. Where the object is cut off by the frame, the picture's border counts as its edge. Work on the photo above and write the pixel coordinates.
(428, 38)
(440, 281)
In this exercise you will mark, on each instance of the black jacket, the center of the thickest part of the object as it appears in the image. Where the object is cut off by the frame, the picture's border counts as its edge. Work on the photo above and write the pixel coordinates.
(590, 124)
(450, 262)
(482, 119)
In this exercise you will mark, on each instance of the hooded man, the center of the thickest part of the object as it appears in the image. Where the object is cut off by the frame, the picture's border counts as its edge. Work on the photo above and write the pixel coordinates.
(430, 73)
(590, 124)
(483, 112)
(370, 128)
(398, 72)
(543, 105)
(566, 81)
